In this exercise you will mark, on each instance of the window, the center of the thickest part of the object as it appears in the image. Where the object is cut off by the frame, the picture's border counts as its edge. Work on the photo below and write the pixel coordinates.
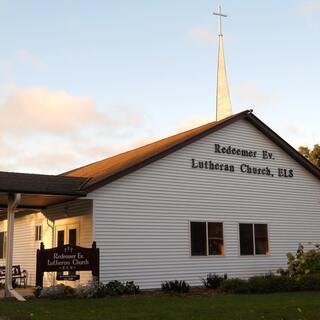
(253, 239)
(38, 233)
(206, 238)
(3, 238)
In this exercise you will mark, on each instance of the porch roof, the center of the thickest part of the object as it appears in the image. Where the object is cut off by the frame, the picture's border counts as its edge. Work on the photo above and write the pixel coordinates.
(39, 190)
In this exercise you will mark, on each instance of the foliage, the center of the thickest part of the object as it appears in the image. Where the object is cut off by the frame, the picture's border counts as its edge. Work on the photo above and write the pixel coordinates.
(213, 281)
(175, 286)
(92, 289)
(304, 262)
(269, 284)
(272, 284)
(131, 288)
(115, 288)
(309, 282)
(312, 155)
(37, 292)
(234, 285)
(59, 291)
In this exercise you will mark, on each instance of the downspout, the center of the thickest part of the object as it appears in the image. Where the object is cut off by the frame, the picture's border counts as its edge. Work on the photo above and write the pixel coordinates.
(13, 202)
(52, 241)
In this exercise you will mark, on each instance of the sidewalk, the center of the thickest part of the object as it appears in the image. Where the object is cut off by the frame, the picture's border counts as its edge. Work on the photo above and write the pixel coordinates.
(25, 292)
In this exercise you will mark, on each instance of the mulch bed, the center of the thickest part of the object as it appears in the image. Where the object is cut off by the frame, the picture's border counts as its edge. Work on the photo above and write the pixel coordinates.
(202, 292)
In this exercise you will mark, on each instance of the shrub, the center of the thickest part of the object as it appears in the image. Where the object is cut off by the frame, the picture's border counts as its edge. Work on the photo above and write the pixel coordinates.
(59, 291)
(115, 288)
(93, 289)
(37, 292)
(213, 281)
(304, 262)
(268, 284)
(309, 282)
(234, 285)
(131, 288)
(175, 286)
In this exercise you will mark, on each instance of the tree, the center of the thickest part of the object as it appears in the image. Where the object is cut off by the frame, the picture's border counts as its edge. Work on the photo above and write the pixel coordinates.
(312, 155)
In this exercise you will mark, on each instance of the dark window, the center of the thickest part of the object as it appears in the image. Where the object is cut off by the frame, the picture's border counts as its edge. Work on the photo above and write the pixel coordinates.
(261, 238)
(2, 245)
(38, 233)
(215, 238)
(73, 237)
(60, 238)
(198, 238)
(253, 239)
(246, 239)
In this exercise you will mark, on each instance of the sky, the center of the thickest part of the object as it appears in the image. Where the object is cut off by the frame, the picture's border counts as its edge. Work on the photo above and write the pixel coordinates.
(84, 80)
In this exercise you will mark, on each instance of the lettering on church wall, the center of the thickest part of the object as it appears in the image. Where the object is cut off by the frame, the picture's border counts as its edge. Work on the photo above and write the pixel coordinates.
(244, 168)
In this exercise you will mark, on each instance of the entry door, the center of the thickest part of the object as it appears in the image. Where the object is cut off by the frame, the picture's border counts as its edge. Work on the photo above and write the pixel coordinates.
(67, 234)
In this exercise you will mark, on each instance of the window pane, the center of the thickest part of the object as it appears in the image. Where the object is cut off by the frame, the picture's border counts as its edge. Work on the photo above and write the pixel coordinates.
(1, 245)
(216, 247)
(73, 237)
(60, 238)
(198, 238)
(261, 238)
(215, 238)
(38, 233)
(246, 239)
(215, 230)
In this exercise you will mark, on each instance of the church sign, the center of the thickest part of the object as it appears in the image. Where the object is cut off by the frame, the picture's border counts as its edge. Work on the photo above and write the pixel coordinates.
(67, 258)
(244, 167)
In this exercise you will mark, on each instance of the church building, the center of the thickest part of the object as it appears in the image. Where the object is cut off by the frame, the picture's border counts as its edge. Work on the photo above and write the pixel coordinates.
(228, 197)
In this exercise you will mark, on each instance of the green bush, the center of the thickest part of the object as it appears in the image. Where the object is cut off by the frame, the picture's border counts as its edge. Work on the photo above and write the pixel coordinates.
(260, 284)
(59, 291)
(131, 288)
(213, 281)
(304, 262)
(309, 282)
(116, 288)
(268, 284)
(175, 286)
(234, 285)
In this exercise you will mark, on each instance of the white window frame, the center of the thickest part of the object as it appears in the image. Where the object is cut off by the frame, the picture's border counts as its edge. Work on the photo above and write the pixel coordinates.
(254, 241)
(207, 239)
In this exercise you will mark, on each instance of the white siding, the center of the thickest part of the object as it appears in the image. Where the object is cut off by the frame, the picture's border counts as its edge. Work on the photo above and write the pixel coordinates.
(25, 246)
(142, 219)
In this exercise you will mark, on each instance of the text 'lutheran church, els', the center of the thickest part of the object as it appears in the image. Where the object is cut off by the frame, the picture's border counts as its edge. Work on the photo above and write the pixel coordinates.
(228, 197)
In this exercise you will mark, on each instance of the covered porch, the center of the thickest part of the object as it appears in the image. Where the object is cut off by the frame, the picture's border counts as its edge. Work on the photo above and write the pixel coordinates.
(40, 208)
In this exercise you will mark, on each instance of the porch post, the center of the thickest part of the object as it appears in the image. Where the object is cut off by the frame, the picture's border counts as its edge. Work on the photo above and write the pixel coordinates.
(13, 201)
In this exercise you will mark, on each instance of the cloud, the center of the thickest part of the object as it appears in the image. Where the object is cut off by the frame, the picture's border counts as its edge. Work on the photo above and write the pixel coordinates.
(250, 96)
(51, 131)
(202, 34)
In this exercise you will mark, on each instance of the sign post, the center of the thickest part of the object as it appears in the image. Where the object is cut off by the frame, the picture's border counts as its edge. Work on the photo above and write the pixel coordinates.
(67, 258)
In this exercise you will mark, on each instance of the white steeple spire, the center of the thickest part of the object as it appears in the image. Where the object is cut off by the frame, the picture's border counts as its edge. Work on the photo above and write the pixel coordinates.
(223, 101)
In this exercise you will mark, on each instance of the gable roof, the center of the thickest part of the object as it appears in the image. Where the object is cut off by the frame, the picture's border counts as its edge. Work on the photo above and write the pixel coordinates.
(105, 171)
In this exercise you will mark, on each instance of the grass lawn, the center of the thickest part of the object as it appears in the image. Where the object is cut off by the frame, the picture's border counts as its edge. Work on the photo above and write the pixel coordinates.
(302, 305)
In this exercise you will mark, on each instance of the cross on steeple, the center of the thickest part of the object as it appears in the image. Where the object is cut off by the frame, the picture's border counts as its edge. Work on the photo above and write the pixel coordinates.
(220, 14)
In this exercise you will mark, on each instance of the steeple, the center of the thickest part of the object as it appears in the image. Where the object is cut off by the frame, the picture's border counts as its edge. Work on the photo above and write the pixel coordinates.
(223, 101)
